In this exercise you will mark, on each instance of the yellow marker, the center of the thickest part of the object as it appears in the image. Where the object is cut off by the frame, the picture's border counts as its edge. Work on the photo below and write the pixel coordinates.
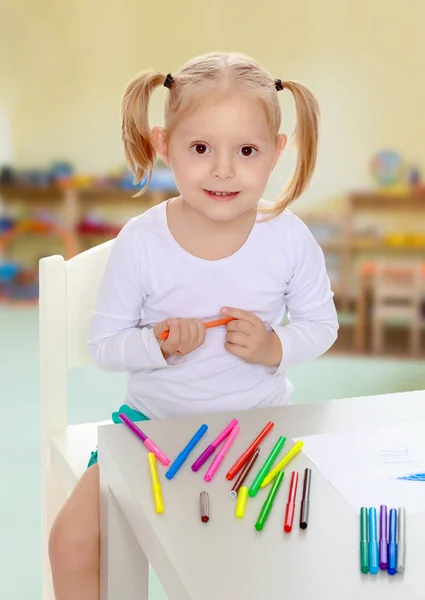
(241, 503)
(156, 487)
(282, 464)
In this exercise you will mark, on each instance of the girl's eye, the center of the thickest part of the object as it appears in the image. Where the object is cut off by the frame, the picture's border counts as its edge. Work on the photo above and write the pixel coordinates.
(200, 149)
(248, 151)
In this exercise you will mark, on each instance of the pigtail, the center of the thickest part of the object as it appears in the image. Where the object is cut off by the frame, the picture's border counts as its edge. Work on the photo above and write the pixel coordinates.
(139, 148)
(306, 139)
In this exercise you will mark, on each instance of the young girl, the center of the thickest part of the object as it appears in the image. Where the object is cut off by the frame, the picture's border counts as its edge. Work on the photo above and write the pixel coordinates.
(216, 250)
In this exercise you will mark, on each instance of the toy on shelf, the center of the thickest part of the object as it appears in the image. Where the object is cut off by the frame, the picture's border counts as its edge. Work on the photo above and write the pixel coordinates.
(389, 172)
(393, 175)
(6, 224)
(94, 225)
(19, 284)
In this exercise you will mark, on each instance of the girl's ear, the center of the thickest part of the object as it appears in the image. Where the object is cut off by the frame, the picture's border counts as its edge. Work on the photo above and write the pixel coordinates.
(280, 146)
(161, 143)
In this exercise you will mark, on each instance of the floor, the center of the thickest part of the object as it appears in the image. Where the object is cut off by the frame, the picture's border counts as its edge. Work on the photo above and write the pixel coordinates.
(93, 395)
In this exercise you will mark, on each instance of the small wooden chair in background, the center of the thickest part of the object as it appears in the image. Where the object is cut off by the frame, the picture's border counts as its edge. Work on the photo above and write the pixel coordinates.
(397, 291)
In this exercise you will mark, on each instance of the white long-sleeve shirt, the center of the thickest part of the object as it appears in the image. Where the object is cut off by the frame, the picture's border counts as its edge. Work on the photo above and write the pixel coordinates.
(149, 277)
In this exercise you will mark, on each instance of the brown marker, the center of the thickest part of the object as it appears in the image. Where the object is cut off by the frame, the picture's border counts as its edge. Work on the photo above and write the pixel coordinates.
(244, 474)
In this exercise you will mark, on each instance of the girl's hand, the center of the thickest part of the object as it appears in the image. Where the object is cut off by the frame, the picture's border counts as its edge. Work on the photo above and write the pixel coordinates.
(248, 338)
(184, 337)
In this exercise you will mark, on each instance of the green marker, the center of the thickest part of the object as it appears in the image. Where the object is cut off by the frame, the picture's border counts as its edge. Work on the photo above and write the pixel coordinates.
(267, 506)
(364, 541)
(262, 473)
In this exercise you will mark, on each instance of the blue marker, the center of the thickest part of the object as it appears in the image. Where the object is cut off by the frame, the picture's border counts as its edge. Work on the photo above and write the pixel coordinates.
(182, 457)
(373, 542)
(392, 544)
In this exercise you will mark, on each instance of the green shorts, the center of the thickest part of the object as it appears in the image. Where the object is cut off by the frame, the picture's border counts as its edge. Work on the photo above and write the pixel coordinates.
(134, 415)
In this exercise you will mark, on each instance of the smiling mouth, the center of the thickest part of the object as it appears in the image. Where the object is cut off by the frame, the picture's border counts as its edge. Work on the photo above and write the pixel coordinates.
(221, 195)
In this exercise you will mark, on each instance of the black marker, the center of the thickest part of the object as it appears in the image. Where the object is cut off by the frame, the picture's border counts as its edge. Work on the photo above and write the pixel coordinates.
(305, 502)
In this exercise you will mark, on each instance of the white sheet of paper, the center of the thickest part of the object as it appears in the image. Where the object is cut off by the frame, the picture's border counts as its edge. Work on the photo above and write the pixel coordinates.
(363, 465)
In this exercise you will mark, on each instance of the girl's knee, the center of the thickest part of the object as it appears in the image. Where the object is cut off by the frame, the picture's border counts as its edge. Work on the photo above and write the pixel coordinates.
(73, 544)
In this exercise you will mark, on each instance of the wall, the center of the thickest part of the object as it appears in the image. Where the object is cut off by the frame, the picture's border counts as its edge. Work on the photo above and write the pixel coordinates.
(65, 64)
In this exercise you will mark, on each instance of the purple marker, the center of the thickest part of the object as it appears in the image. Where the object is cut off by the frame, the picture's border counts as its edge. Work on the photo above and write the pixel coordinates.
(383, 538)
(209, 451)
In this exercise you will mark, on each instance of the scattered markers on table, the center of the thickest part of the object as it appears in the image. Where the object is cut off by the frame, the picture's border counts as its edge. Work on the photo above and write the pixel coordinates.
(390, 553)
(244, 464)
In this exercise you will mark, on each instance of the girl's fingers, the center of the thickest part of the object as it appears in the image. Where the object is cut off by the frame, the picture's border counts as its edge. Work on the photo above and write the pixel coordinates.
(201, 331)
(237, 339)
(173, 341)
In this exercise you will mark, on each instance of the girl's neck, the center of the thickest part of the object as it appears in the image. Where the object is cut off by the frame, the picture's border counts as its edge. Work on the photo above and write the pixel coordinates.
(199, 235)
(199, 222)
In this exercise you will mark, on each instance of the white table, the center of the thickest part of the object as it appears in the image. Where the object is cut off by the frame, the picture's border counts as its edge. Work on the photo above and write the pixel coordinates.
(227, 558)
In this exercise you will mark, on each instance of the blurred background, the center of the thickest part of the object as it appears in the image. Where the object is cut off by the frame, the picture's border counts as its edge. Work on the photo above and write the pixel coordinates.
(64, 188)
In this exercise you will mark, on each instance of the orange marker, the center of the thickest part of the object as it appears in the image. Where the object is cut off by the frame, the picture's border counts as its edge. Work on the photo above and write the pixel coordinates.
(217, 323)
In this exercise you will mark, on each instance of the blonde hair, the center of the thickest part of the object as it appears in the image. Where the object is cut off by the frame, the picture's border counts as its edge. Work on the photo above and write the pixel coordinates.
(230, 70)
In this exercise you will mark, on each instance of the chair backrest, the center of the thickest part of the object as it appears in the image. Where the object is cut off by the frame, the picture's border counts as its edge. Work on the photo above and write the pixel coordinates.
(68, 292)
(397, 283)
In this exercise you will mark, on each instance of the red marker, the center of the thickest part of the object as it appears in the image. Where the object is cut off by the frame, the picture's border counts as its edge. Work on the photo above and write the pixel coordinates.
(249, 451)
(290, 507)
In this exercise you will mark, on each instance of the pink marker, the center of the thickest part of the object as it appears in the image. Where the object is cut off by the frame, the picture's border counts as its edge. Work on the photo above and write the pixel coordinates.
(213, 447)
(221, 454)
(147, 442)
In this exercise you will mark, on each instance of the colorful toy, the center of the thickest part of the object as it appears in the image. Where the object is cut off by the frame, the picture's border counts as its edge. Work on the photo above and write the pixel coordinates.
(18, 284)
(388, 170)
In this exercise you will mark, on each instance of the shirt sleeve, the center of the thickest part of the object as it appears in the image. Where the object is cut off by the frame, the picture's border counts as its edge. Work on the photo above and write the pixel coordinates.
(313, 322)
(117, 342)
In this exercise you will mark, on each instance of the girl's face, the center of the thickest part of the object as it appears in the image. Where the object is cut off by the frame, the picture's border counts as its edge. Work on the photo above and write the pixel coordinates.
(222, 154)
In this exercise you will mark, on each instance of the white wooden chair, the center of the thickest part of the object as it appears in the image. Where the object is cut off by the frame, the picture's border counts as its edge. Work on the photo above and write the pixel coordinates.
(68, 292)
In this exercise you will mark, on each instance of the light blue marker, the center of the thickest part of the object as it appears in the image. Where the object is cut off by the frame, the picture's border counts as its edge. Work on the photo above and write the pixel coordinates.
(373, 542)
(182, 457)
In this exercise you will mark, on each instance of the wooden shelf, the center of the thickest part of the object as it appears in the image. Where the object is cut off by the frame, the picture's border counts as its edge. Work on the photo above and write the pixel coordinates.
(72, 203)
(106, 194)
(365, 244)
(380, 245)
(380, 200)
(120, 195)
(30, 194)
